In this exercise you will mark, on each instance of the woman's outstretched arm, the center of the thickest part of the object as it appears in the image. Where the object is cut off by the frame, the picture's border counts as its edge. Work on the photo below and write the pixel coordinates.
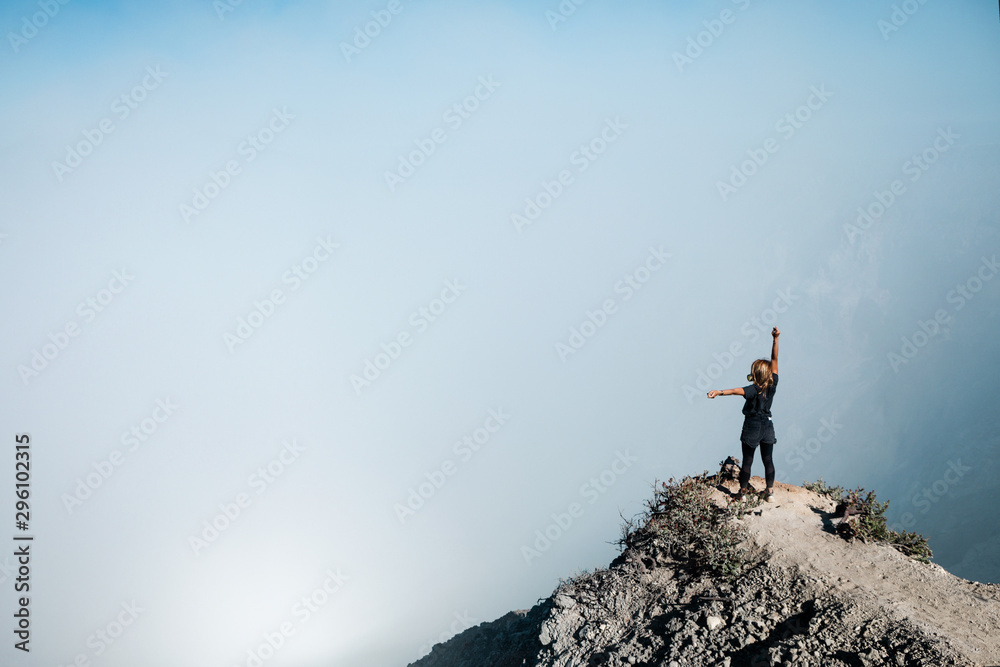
(774, 350)
(726, 392)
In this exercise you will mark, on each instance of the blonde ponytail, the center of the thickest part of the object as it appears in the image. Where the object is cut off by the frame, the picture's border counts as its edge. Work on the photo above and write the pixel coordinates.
(761, 374)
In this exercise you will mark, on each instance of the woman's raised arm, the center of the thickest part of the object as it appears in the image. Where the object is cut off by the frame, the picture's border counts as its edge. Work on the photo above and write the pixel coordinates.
(774, 350)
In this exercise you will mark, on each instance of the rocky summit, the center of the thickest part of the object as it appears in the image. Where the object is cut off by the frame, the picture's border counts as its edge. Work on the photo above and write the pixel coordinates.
(773, 583)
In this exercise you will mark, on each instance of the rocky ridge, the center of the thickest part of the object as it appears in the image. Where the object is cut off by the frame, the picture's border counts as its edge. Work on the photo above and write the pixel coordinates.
(805, 596)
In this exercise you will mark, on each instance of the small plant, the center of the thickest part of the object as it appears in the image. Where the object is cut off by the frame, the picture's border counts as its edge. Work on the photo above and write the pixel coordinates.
(682, 520)
(913, 545)
(863, 516)
(821, 487)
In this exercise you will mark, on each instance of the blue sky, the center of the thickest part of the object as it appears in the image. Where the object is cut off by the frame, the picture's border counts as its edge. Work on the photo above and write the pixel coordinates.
(745, 167)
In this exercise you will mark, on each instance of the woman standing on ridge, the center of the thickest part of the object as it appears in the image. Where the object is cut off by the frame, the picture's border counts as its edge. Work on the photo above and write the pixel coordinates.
(757, 425)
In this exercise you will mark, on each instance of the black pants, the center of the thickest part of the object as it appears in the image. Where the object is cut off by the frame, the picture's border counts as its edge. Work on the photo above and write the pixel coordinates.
(757, 432)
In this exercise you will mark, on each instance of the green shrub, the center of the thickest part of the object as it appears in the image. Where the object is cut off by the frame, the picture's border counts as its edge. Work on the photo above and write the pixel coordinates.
(869, 523)
(821, 487)
(913, 545)
(682, 520)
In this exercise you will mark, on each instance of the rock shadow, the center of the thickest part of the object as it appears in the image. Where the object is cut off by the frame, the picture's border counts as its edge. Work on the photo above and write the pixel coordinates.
(759, 652)
(827, 517)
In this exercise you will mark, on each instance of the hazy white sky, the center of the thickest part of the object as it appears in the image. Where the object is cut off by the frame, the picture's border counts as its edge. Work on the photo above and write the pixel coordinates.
(388, 308)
